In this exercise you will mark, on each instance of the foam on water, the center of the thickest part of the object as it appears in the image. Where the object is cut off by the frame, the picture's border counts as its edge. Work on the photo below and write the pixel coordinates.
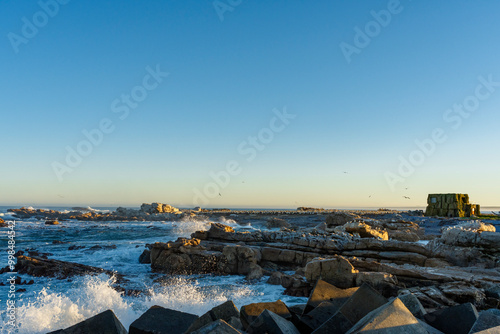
(49, 310)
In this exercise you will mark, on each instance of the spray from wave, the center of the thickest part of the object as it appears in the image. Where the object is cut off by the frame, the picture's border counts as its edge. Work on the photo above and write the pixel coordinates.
(49, 310)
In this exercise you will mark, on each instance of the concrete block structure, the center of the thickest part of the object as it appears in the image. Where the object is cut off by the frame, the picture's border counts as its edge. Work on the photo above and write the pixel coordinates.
(451, 205)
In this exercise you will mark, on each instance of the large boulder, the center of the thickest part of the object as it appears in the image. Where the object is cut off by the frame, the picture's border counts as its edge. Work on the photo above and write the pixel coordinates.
(318, 316)
(216, 327)
(325, 292)
(470, 234)
(160, 320)
(340, 218)
(145, 257)
(413, 305)
(219, 231)
(224, 312)
(277, 223)
(105, 322)
(336, 270)
(391, 318)
(463, 317)
(241, 260)
(184, 256)
(487, 323)
(249, 313)
(365, 231)
(362, 302)
(270, 322)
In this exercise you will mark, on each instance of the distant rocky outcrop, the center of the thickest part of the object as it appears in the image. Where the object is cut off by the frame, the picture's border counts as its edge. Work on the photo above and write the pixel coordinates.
(147, 212)
(158, 208)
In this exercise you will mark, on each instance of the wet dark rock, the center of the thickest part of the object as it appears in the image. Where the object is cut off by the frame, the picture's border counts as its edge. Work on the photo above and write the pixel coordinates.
(160, 320)
(52, 222)
(391, 318)
(456, 319)
(249, 313)
(362, 302)
(75, 247)
(105, 322)
(325, 292)
(270, 322)
(99, 247)
(413, 305)
(277, 223)
(145, 257)
(38, 266)
(39, 254)
(217, 327)
(225, 312)
(488, 322)
(318, 316)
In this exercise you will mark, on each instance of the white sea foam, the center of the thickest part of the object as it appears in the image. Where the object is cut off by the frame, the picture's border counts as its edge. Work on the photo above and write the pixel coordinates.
(185, 227)
(49, 310)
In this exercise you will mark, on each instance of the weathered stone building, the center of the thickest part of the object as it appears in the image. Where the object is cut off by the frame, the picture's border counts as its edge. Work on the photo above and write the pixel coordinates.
(451, 205)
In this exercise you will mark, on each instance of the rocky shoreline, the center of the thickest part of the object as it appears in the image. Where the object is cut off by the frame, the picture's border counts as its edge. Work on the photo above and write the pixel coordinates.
(420, 274)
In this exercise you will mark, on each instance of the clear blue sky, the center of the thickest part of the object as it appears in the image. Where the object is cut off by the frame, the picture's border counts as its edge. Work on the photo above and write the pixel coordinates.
(225, 79)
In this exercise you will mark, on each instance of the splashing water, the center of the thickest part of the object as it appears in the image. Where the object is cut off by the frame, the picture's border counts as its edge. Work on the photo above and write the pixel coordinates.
(49, 310)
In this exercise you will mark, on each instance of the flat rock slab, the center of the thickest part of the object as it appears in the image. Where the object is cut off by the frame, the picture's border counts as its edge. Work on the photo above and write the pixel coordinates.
(216, 327)
(40, 267)
(105, 322)
(249, 313)
(326, 292)
(271, 323)
(391, 318)
(160, 320)
(223, 312)
(453, 320)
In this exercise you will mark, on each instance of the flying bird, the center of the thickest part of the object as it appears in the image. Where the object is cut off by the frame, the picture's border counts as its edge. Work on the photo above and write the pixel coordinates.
(220, 194)
(406, 197)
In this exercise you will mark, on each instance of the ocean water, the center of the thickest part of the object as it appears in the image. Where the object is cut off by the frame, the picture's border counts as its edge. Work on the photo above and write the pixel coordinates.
(50, 304)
